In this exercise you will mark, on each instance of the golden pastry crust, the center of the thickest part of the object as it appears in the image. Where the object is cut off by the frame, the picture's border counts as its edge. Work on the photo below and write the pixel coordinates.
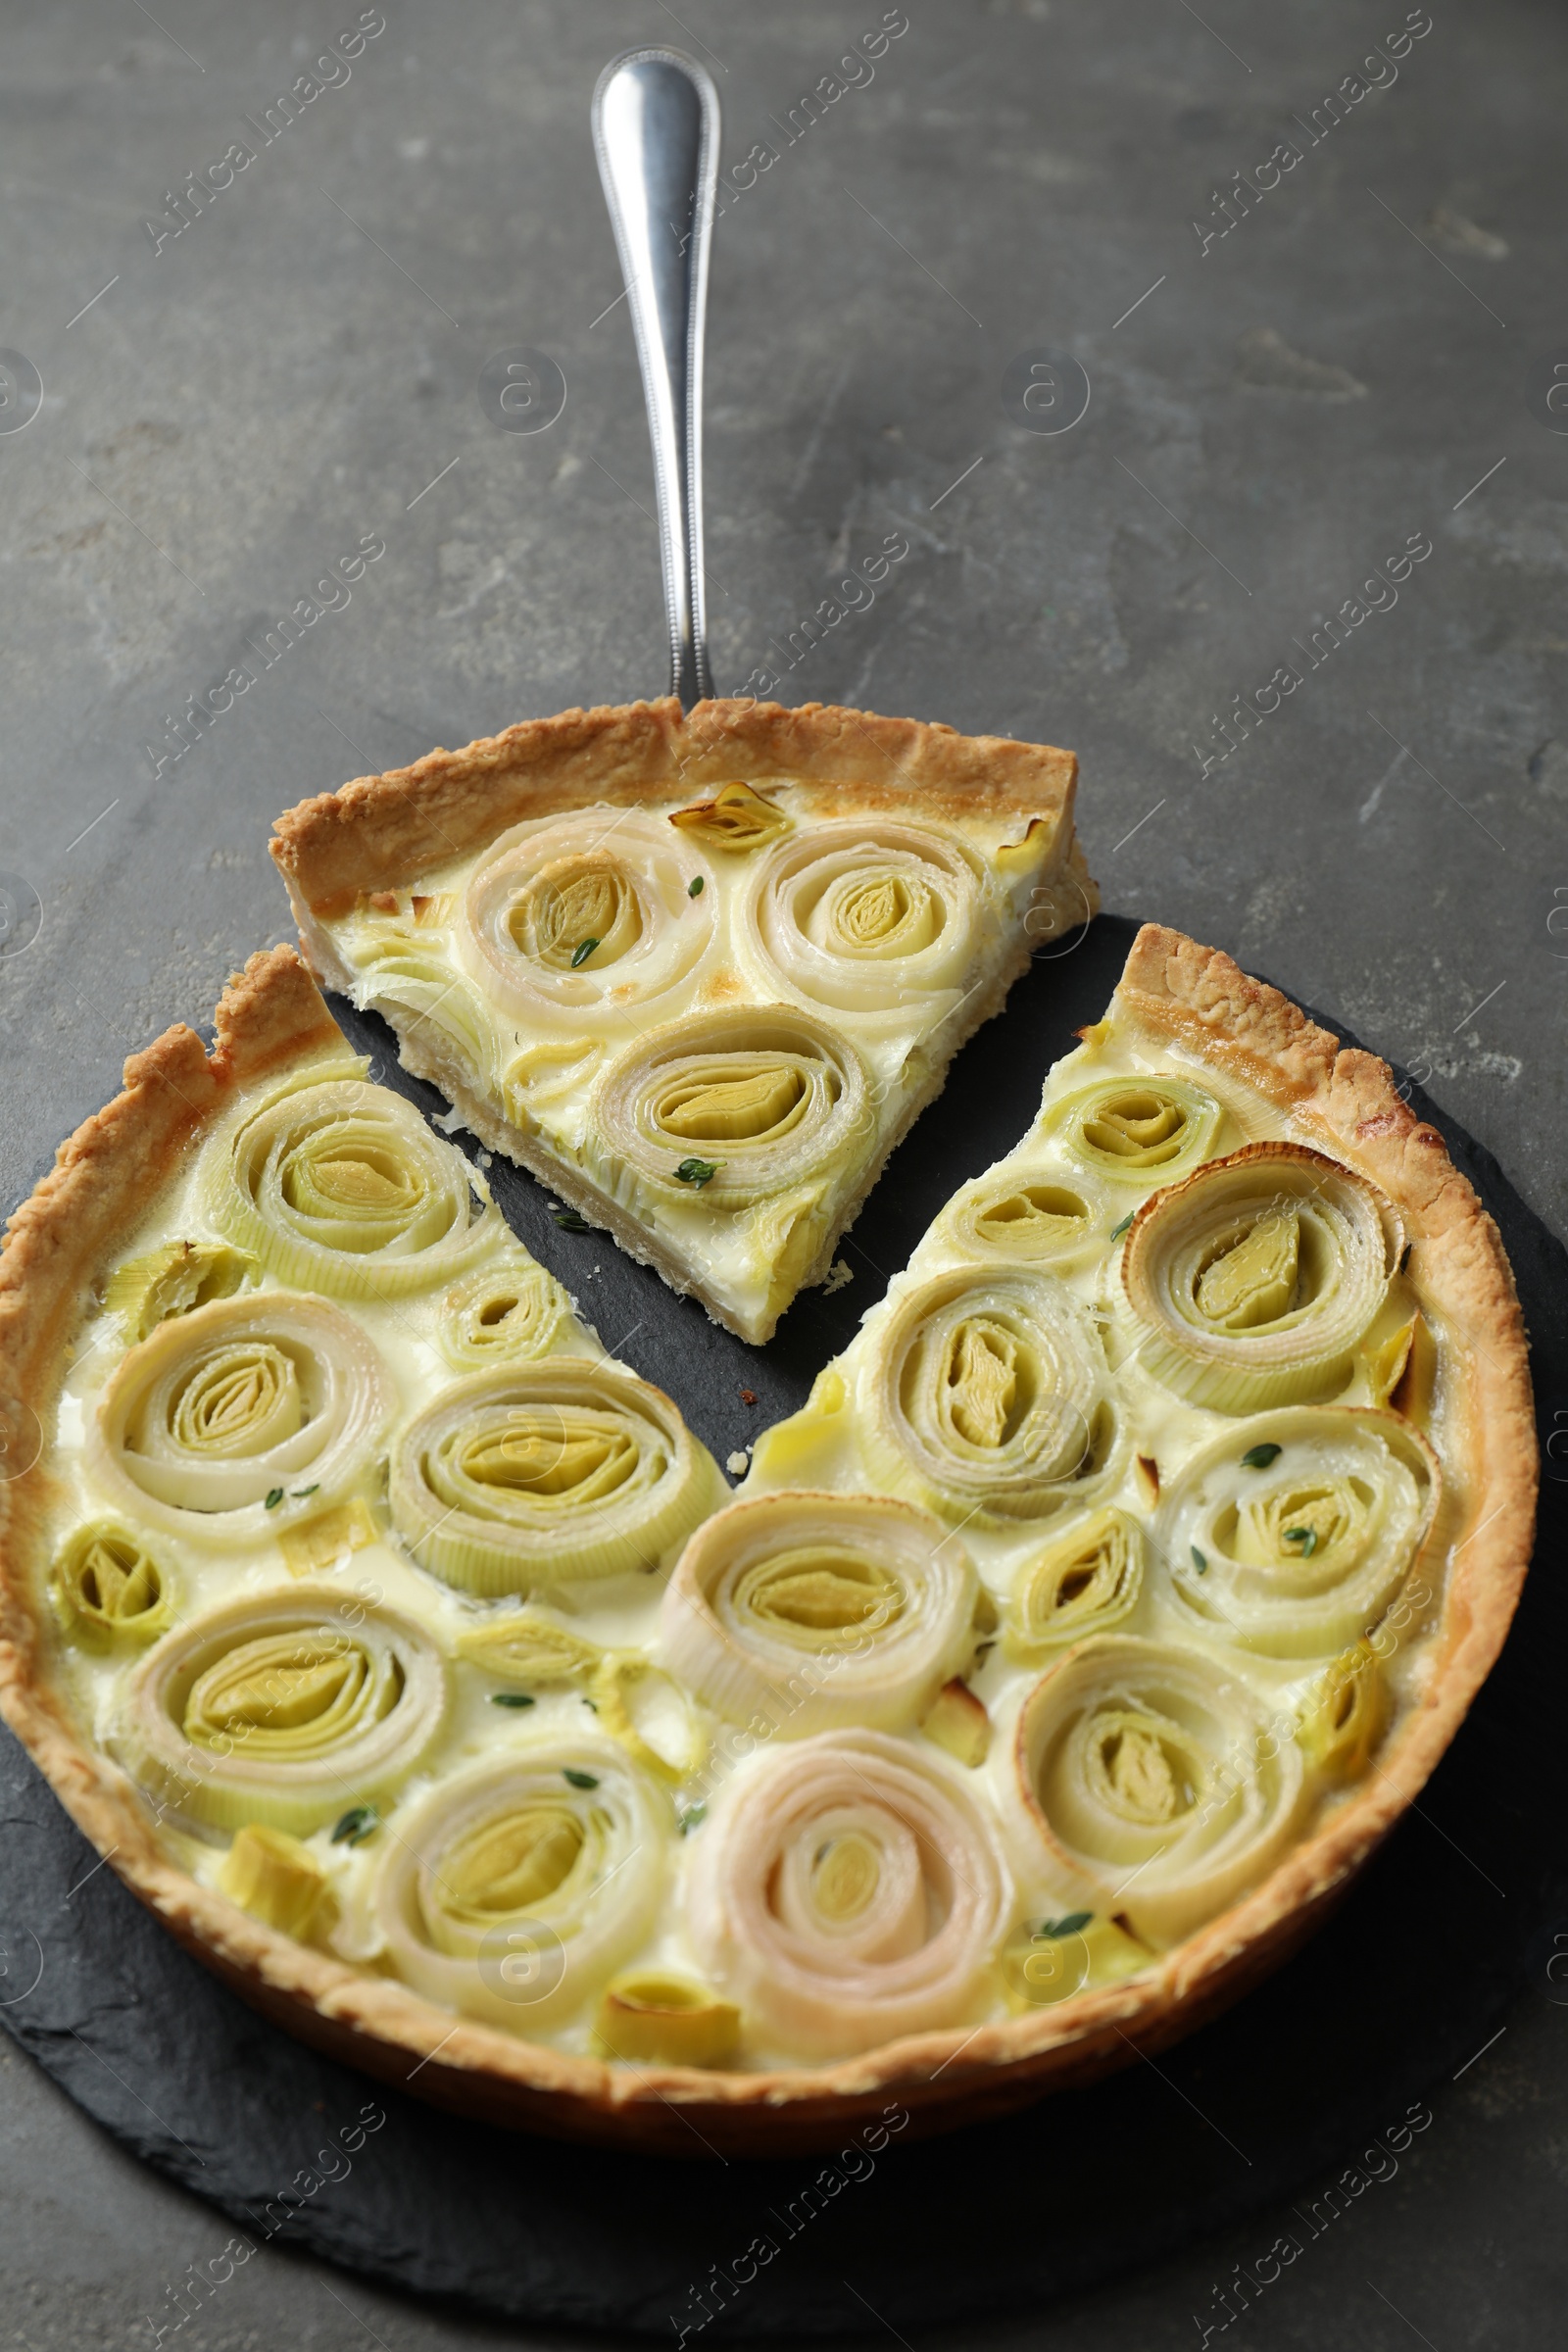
(1175, 992)
(381, 831)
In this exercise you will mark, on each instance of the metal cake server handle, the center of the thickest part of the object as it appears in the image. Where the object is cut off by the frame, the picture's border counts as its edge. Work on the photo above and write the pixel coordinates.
(656, 131)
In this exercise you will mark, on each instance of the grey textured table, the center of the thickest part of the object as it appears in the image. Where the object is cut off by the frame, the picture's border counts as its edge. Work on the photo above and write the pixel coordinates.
(1362, 360)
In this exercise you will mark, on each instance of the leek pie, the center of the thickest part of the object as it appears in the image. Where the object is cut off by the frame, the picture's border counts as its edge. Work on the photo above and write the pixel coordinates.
(1054, 1669)
(700, 975)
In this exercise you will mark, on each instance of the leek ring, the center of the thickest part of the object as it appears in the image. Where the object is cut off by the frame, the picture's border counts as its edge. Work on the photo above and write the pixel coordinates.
(1040, 1219)
(990, 1396)
(1345, 1713)
(760, 1098)
(1156, 1781)
(283, 1708)
(530, 1651)
(806, 1611)
(341, 1187)
(737, 818)
(107, 1587)
(646, 1710)
(538, 1474)
(270, 1395)
(443, 1012)
(868, 917)
(1292, 1533)
(573, 917)
(1136, 1130)
(1253, 1282)
(1083, 1582)
(845, 1893)
(173, 1278)
(652, 2016)
(511, 1891)
(509, 1309)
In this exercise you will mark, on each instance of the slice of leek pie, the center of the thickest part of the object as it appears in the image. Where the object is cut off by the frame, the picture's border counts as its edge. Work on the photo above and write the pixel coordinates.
(700, 975)
(1095, 1619)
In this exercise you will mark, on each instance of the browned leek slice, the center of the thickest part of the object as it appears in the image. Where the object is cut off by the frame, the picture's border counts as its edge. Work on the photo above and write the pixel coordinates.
(735, 818)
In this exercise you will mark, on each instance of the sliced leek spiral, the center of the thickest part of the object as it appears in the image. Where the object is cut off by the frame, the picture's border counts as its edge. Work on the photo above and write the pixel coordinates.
(868, 917)
(760, 1098)
(1345, 1713)
(538, 1474)
(804, 1611)
(107, 1586)
(511, 1891)
(1155, 1779)
(992, 1396)
(845, 1893)
(519, 1646)
(1031, 1220)
(341, 1187)
(1255, 1280)
(646, 1709)
(1083, 1583)
(1143, 1131)
(172, 1280)
(737, 819)
(1291, 1533)
(570, 917)
(267, 1395)
(509, 1309)
(283, 1708)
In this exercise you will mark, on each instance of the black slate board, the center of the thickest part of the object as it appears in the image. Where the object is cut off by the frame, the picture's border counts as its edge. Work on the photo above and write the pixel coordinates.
(1399, 1988)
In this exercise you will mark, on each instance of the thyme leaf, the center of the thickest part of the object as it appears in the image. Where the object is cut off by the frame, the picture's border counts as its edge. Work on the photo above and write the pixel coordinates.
(1049, 1931)
(357, 1824)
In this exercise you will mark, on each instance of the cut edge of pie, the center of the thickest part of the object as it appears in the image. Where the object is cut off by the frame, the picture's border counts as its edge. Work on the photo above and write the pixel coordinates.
(381, 833)
(108, 1174)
